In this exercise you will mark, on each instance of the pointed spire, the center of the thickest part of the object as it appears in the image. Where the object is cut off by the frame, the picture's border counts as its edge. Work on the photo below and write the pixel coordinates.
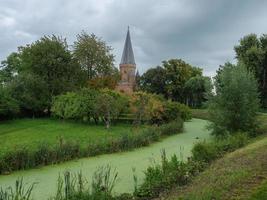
(127, 55)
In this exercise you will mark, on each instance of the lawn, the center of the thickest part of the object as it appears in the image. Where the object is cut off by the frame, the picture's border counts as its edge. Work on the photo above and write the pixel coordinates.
(32, 132)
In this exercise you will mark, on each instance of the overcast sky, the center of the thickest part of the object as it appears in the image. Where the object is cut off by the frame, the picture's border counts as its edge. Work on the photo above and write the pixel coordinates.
(202, 32)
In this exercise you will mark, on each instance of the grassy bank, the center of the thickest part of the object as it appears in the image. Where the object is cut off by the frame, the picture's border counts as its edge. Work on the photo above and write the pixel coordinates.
(68, 141)
(33, 132)
(239, 175)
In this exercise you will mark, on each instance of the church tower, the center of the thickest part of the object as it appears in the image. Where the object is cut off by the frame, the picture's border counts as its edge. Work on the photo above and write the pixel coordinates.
(127, 67)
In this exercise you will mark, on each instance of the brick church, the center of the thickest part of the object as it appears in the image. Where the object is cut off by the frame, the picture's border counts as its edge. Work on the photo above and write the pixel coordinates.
(127, 68)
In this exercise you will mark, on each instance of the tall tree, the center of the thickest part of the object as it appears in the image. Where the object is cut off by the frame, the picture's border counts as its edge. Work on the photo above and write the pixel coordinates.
(8, 105)
(197, 90)
(154, 81)
(94, 55)
(252, 51)
(177, 73)
(50, 60)
(10, 67)
(171, 80)
(235, 105)
(31, 92)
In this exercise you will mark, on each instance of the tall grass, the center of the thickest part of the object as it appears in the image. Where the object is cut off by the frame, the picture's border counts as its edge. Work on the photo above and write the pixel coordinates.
(75, 187)
(163, 176)
(21, 192)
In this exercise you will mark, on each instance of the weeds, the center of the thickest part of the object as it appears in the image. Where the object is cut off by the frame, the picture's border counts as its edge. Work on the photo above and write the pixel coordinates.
(21, 192)
(76, 187)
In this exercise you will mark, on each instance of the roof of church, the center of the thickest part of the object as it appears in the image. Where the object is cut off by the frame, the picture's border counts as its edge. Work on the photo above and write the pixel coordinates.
(128, 55)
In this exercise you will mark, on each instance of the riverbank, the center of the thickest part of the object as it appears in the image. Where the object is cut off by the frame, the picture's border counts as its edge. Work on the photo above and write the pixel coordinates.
(124, 162)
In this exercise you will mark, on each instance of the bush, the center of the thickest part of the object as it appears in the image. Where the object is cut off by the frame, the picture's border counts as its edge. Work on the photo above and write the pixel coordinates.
(9, 107)
(209, 151)
(154, 109)
(87, 104)
(173, 110)
(204, 151)
(161, 177)
(235, 106)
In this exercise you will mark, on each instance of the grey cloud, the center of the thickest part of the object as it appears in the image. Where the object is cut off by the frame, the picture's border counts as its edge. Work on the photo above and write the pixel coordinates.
(201, 32)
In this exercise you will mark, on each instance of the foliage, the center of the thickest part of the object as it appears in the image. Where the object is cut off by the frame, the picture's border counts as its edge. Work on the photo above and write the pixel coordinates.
(87, 104)
(173, 110)
(8, 105)
(252, 51)
(198, 89)
(69, 106)
(110, 105)
(177, 73)
(164, 176)
(154, 81)
(178, 81)
(31, 93)
(155, 109)
(235, 106)
(209, 151)
(93, 55)
(108, 82)
(46, 68)
(50, 59)
(10, 67)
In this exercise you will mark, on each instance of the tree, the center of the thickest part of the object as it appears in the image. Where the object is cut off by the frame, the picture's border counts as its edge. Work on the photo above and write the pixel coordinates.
(8, 105)
(177, 73)
(197, 90)
(109, 82)
(31, 93)
(154, 81)
(10, 67)
(110, 105)
(76, 105)
(94, 56)
(171, 80)
(50, 60)
(252, 51)
(139, 104)
(235, 105)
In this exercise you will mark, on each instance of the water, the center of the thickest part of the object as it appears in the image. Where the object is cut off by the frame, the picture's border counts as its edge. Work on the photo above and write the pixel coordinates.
(46, 177)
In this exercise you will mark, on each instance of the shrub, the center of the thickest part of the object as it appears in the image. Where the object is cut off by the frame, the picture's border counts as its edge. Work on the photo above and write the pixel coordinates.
(235, 106)
(87, 104)
(209, 151)
(232, 142)
(9, 107)
(161, 177)
(174, 110)
(204, 151)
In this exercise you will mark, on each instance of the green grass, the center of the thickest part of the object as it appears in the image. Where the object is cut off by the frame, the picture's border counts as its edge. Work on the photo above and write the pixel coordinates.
(32, 132)
(238, 175)
(260, 192)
